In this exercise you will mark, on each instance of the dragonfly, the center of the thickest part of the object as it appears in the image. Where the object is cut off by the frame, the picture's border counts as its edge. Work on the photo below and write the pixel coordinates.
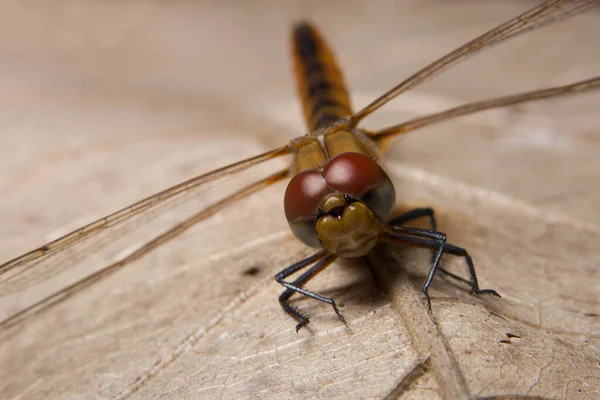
(339, 199)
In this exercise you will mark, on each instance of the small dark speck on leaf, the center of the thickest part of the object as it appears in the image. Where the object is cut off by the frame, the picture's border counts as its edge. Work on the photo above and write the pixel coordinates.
(252, 271)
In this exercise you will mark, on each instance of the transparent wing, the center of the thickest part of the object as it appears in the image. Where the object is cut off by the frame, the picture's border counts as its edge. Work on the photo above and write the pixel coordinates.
(65, 252)
(548, 12)
(470, 108)
(148, 246)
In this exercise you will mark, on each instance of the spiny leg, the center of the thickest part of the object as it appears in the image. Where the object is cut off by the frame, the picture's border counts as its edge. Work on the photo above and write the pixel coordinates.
(456, 251)
(287, 272)
(296, 287)
(417, 213)
(460, 252)
(324, 261)
(405, 234)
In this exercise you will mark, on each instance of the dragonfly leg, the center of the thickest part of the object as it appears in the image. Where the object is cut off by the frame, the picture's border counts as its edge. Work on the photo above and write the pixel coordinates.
(453, 250)
(296, 287)
(416, 213)
(433, 239)
(428, 212)
(460, 252)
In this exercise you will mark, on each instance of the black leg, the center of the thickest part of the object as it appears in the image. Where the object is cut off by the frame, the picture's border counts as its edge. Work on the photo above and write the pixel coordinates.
(454, 276)
(459, 251)
(416, 214)
(427, 212)
(456, 251)
(298, 283)
(439, 242)
(324, 260)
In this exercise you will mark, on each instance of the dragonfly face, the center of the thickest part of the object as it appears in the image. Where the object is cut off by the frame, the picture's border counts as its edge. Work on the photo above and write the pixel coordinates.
(349, 229)
(341, 206)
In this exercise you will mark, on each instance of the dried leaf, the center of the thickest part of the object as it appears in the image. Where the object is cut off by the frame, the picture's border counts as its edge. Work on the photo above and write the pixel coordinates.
(104, 103)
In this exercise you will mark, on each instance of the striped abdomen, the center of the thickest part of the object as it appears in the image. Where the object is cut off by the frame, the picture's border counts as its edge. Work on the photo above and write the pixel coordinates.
(320, 82)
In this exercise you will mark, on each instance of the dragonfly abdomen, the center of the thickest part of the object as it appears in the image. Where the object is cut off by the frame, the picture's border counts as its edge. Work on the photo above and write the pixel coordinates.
(320, 82)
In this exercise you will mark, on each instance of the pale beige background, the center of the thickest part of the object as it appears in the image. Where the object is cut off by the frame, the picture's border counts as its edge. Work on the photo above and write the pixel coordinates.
(106, 102)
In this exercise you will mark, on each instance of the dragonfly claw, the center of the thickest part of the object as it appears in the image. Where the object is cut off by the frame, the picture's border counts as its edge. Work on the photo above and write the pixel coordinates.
(302, 323)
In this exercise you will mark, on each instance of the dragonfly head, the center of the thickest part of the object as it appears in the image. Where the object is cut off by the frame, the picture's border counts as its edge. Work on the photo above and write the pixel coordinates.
(341, 206)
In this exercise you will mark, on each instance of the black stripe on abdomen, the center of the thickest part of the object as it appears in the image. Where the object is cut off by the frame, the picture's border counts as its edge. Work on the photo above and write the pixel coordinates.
(320, 82)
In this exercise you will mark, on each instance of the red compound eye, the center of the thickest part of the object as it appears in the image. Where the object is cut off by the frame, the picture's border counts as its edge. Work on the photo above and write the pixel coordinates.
(301, 203)
(360, 176)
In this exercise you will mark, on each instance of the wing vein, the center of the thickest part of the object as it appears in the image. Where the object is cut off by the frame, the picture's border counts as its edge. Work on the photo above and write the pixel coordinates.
(547, 13)
(142, 250)
(22, 266)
